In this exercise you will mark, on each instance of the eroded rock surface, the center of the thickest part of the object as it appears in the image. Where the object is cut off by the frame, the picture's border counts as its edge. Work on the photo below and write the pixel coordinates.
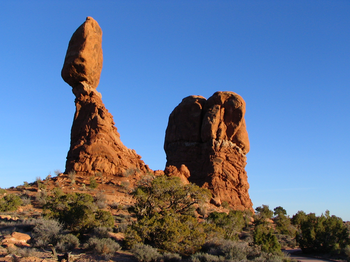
(210, 138)
(95, 143)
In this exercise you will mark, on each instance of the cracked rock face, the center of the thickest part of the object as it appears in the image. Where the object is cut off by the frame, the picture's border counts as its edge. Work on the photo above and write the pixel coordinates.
(95, 145)
(210, 138)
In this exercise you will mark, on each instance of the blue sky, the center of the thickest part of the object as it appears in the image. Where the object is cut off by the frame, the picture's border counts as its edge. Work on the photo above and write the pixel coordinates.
(289, 60)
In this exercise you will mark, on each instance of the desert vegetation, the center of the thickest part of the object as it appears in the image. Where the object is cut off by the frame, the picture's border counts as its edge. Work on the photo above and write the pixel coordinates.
(165, 221)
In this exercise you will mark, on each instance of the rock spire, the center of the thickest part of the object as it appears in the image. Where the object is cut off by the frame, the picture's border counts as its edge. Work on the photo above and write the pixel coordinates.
(210, 138)
(95, 145)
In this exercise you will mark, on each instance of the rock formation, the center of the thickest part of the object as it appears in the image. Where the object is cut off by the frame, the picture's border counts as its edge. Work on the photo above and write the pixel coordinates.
(95, 145)
(210, 138)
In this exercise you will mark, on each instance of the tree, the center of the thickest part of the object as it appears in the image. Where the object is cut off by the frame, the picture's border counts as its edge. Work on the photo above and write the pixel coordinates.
(165, 215)
(265, 237)
(263, 216)
(231, 223)
(264, 211)
(162, 194)
(279, 211)
(323, 233)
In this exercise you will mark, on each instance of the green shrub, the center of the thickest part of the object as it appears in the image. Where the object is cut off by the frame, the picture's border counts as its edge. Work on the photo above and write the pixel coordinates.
(102, 246)
(265, 237)
(93, 183)
(2, 191)
(145, 253)
(101, 200)
(10, 203)
(323, 233)
(67, 242)
(164, 209)
(41, 197)
(77, 212)
(231, 223)
(167, 193)
(347, 252)
(100, 232)
(283, 224)
(286, 241)
(263, 213)
(25, 200)
(171, 257)
(45, 232)
(204, 257)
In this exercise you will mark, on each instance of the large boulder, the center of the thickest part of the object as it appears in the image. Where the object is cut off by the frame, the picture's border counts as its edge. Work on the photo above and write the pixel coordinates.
(83, 62)
(210, 138)
(95, 145)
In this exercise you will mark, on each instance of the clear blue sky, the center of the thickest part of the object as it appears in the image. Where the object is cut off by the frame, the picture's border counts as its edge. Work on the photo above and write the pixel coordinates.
(289, 60)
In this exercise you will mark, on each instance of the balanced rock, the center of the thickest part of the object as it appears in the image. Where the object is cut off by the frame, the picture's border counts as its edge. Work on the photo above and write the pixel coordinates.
(83, 62)
(210, 138)
(95, 145)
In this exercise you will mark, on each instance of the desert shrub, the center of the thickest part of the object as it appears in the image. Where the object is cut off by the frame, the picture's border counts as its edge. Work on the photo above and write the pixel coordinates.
(21, 252)
(45, 232)
(167, 193)
(2, 191)
(204, 257)
(102, 246)
(100, 232)
(286, 241)
(72, 175)
(25, 200)
(265, 237)
(10, 203)
(173, 233)
(93, 183)
(347, 252)
(164, 209)
(272, 257)
(77, 212)
(67, 242)
(101, 200)
(122, 228)
(171, 257)
(145, 253)
(231, 223)
(234, 250)
(57, 192)
(41, 197)
(202, 210)
(225, 204)
(323, 233)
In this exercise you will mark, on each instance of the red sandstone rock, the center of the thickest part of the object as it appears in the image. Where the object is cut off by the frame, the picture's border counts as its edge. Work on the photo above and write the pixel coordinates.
(83, 62)
(210, 138)
(16, 238)
(95, 143)
(183, 173)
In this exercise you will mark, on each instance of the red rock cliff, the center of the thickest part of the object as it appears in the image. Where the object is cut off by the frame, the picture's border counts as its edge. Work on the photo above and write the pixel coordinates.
(210, 138)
